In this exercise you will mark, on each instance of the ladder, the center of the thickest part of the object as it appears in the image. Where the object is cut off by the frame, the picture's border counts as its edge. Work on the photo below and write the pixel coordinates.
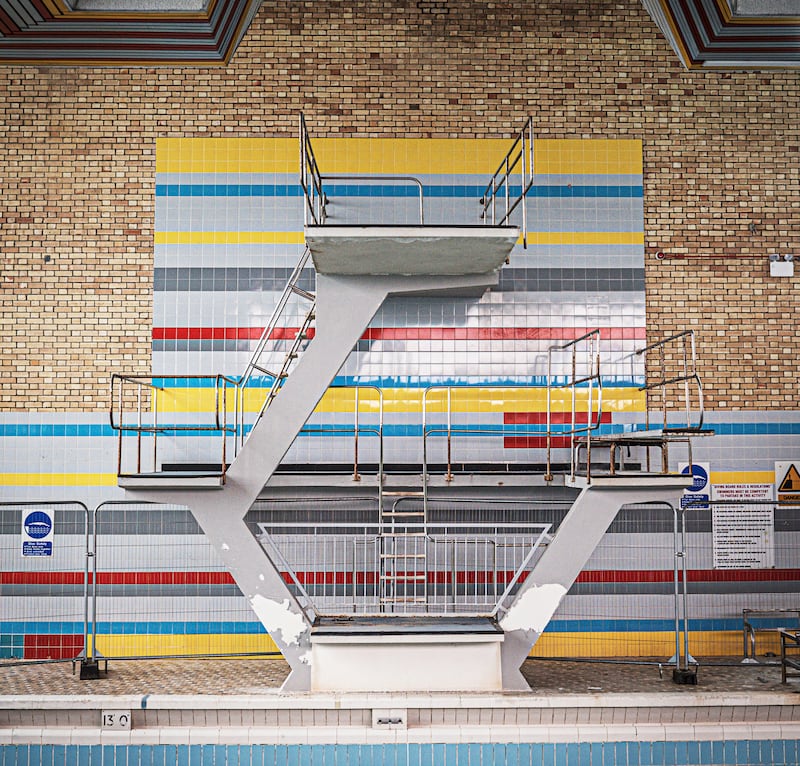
(403, 551)
(261, 358)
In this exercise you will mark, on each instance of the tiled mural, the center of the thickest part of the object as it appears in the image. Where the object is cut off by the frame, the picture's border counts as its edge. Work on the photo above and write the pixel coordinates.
(229, 229)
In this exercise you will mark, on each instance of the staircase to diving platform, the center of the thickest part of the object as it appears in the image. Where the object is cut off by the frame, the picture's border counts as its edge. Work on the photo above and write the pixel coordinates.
(416, 626)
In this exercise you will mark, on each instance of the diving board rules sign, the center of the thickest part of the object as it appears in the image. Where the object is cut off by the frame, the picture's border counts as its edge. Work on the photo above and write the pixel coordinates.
(787, 482)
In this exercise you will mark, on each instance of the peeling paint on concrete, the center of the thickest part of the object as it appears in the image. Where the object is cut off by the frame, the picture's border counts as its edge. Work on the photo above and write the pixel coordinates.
(278, 617)
(534, 609)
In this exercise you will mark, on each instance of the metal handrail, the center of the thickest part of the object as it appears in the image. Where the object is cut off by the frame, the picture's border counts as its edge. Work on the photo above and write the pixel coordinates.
(311, 180)
(375, 179)
(688, 352)
(573, 382)
(358, 429)
(347, 536)
(521, 154)
(449, 431)
(277, 312)
(220, 425)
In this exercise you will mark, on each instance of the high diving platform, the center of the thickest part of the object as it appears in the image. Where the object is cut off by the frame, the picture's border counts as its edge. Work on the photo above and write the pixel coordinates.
(413, 618)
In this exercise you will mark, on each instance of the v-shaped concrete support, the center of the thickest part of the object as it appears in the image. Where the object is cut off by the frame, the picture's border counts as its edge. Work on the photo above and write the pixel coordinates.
(344, 307)
(562, 561)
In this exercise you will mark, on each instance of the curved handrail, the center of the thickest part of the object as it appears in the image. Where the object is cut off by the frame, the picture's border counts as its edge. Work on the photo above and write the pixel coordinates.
(378, 178)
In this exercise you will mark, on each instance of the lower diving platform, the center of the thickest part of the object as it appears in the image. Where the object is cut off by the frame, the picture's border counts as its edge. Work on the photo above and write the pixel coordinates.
(389, 653)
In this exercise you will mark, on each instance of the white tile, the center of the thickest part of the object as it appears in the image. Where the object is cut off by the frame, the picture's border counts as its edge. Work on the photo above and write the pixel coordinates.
(174, 735)
(233, 735)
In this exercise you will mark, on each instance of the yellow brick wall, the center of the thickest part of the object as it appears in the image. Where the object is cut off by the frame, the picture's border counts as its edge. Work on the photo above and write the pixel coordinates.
(721, 152)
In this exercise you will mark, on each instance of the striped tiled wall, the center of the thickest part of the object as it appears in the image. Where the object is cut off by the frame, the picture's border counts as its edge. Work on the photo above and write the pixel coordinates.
(228, 230)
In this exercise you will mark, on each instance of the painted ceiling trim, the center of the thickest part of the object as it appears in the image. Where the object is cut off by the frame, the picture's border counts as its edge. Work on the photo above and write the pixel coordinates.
(707, 35)
(51, 33)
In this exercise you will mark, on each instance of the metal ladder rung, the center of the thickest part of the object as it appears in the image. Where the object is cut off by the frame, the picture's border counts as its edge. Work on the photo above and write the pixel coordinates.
(265, 371)
(403, 534)
(303, 293)
(400, 493)
(418, 514)
(402, 555)
(402, 600)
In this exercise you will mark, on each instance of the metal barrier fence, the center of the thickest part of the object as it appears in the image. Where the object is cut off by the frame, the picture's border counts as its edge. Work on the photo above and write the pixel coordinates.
(44, 580)
(162, 591)
(463, 569)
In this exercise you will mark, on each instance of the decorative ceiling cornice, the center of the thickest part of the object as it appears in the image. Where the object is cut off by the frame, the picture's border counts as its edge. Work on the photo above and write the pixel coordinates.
(707, 34)
(53, 33)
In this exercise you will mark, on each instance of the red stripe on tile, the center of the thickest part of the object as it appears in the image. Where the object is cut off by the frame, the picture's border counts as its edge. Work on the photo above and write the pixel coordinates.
(342, 577)
(406, 333)
(48, 647)
(556, 418)
(535, 442)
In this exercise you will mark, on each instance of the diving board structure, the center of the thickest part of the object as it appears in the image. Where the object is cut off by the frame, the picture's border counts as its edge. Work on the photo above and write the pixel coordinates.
(402, 635)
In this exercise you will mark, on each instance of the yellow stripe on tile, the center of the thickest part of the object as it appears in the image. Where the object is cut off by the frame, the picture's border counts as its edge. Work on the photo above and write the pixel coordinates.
(659, 644)
(150, 645)
(392, 156)
(229, 238)
(409, 400)
(58, 479)
(298, 238)
(585, 238)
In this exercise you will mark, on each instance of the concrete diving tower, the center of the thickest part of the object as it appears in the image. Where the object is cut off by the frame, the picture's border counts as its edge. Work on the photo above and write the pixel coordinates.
(346, 302)
(358, 267)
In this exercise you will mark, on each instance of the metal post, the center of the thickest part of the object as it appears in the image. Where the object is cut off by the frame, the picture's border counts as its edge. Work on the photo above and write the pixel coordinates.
(524, 196)
(138, 428)
(155, 429)
(119, 438)
(86, 585)
(356, 477)
(449, 475)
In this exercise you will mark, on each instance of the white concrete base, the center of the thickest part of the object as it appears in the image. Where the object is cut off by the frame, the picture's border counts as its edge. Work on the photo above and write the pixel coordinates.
(406, 663)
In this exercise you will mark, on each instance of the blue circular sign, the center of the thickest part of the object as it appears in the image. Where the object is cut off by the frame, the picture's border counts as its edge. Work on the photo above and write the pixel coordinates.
(38, 525)
(699, 477)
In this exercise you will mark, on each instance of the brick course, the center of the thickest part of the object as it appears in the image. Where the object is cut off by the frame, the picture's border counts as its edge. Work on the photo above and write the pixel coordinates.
(721, 160)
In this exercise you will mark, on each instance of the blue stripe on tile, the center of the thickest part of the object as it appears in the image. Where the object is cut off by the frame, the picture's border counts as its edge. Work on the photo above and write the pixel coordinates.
(183, 628)
(398, 190)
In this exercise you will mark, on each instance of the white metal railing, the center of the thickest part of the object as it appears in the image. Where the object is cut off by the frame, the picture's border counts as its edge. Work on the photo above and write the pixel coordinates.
(468, 569)
(583, 376)
(135, 412)
(671, 363)
(127, 390)
(498, 201)
(312, 182)
(315, 201)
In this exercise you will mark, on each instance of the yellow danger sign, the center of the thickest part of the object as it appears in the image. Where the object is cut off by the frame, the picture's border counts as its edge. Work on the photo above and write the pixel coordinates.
(789, 486)
(791, 482)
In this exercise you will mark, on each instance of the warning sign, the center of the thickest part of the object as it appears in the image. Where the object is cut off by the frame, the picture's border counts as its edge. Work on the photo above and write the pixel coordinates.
(696, 497)
(37, 533)
(743, 526)
(787, 483)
